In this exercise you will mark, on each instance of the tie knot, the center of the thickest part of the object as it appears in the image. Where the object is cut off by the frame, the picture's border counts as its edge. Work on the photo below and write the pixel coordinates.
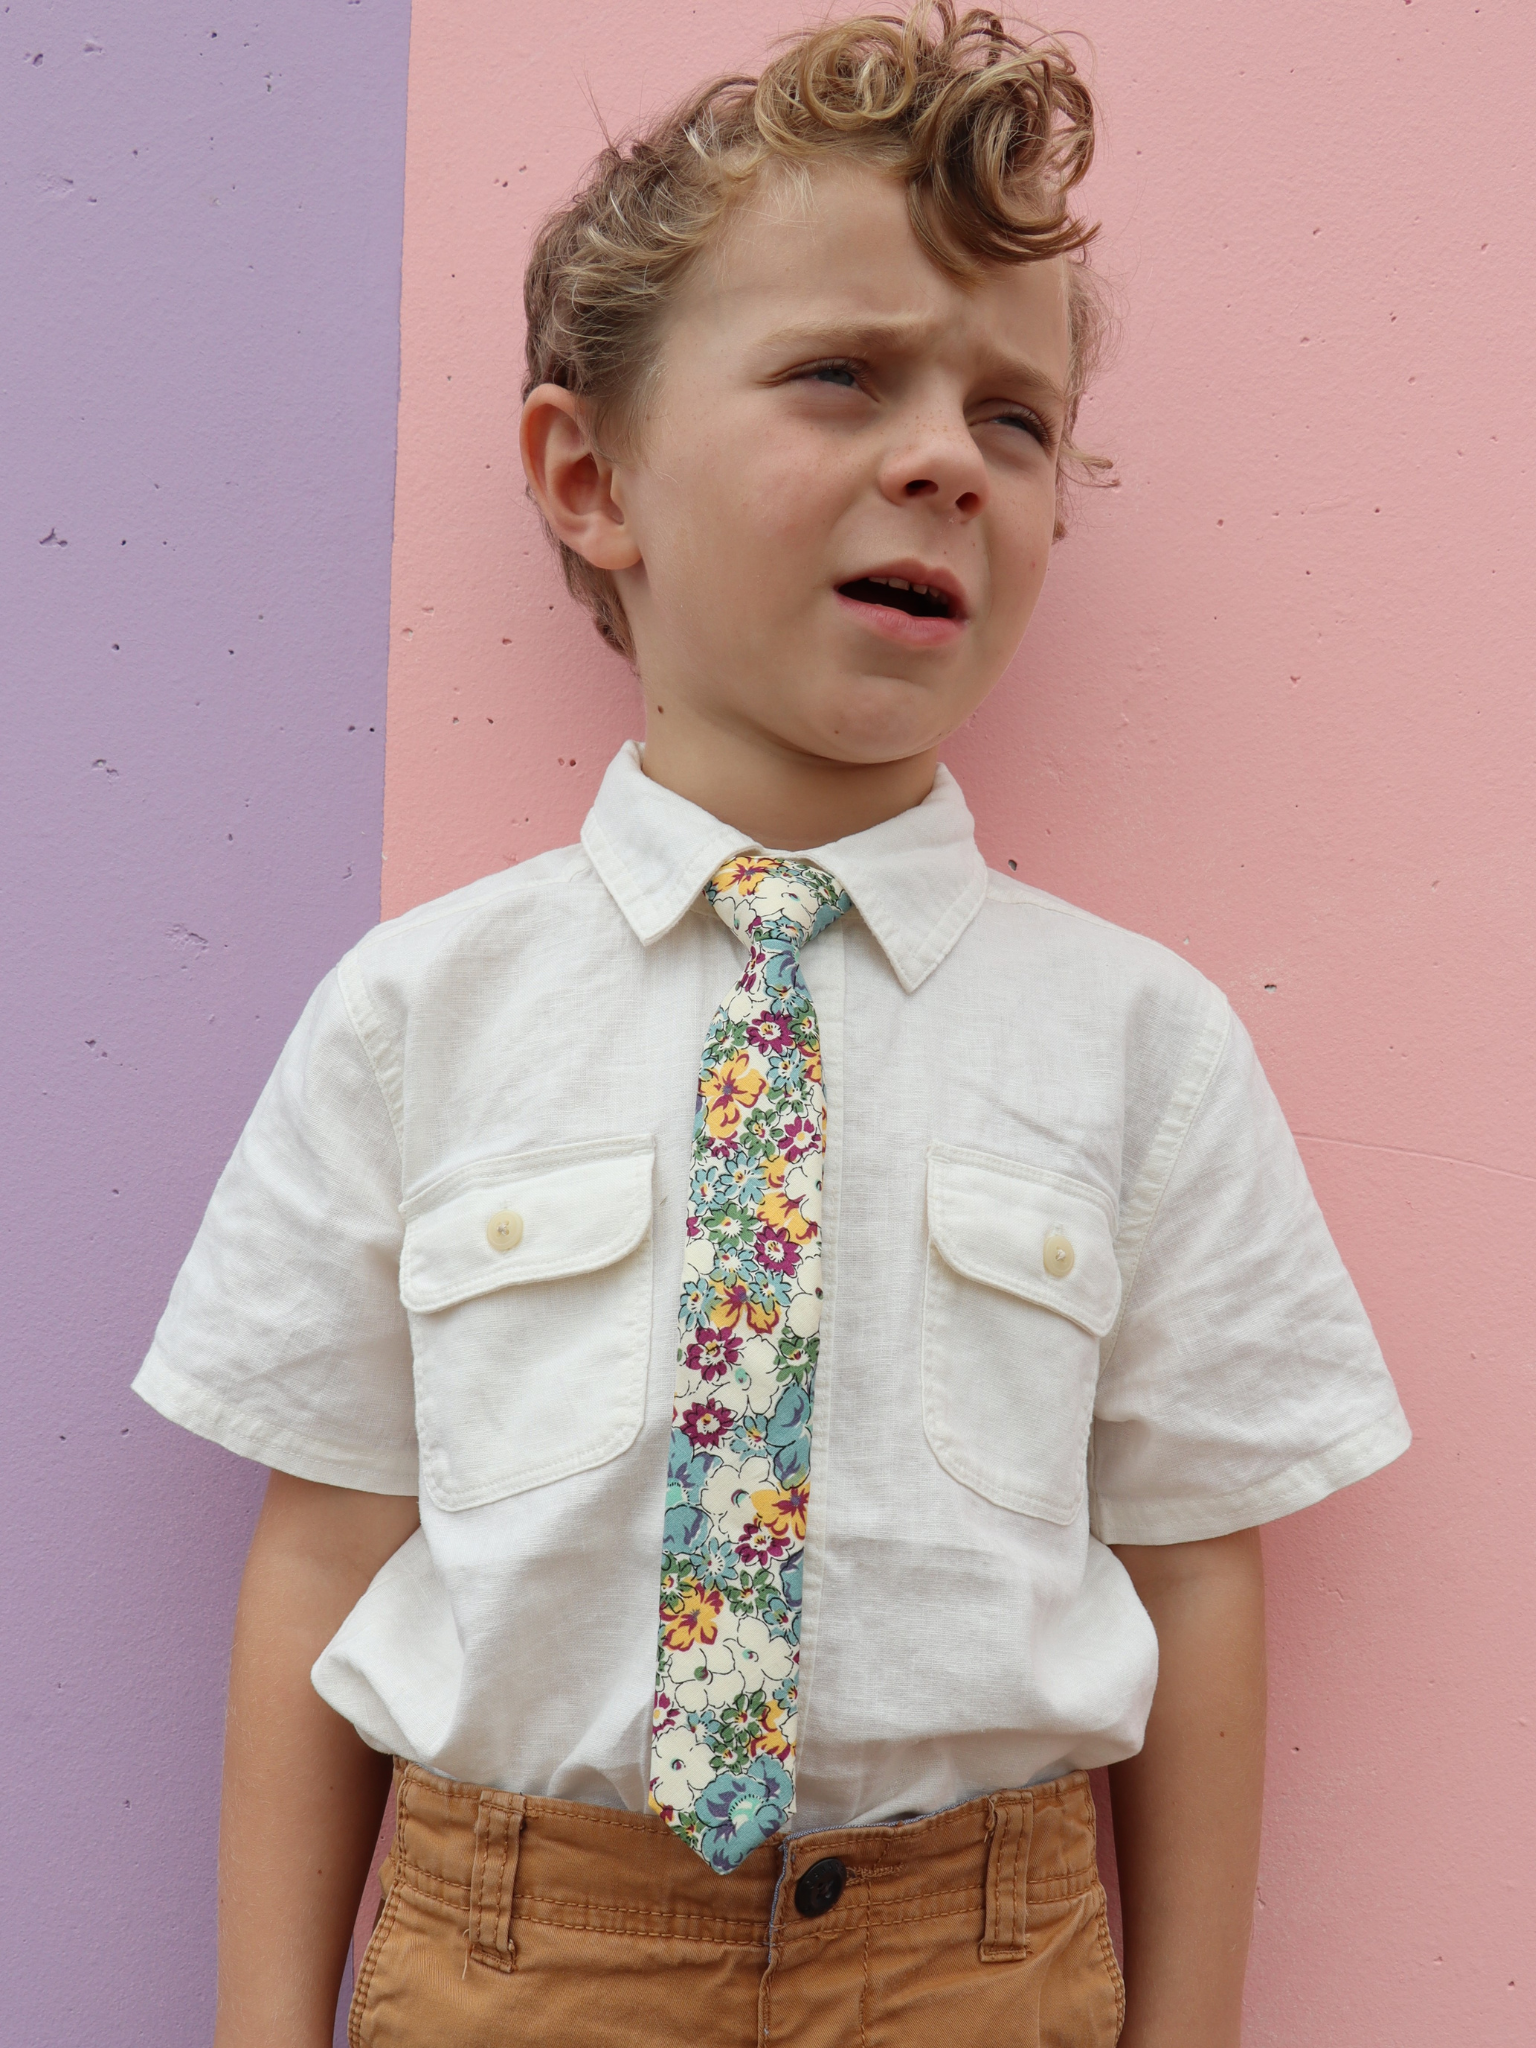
(776, 903)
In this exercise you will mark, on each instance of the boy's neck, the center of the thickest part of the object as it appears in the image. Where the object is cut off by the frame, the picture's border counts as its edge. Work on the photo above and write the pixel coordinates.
(776, 796)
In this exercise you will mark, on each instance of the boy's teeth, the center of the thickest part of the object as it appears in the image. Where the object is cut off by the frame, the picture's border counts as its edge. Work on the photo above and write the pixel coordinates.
(932, 601)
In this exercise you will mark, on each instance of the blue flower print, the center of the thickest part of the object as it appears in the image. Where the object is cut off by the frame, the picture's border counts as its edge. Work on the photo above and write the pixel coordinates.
(710, 1185)
(741, 1809)
(775, 1615)
(788, 1435)
(781, 977)
(826, 916)
(745, 1181)
(687, 1470)
(698, 1300)
(684, 1527)
(751, 1436)
(783, 1068)
(790, 1579)
(685, 1523)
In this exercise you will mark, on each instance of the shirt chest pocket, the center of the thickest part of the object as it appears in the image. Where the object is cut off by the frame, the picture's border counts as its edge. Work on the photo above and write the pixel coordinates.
(1022, 1283)
(528, 1282)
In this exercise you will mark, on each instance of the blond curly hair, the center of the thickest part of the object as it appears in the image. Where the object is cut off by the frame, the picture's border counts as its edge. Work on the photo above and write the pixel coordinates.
(990, 133)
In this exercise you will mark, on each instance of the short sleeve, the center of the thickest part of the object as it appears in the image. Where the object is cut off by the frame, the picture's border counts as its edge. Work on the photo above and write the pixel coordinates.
(284, 1338)
(1245, 1381)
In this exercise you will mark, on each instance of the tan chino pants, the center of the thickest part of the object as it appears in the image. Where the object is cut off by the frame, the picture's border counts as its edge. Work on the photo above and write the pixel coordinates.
(525, 1923)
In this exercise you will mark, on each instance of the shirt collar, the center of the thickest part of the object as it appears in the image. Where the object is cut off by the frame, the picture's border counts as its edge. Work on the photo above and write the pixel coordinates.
(917, 880)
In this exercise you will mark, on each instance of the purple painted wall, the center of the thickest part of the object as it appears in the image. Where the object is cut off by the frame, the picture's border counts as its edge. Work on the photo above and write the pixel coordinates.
(198, 334)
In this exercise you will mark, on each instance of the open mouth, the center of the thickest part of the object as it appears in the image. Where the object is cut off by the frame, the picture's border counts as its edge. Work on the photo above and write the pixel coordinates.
(918, 600)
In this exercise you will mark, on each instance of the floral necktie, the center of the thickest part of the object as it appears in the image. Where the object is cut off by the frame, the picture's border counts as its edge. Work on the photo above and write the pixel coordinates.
(728, 1664)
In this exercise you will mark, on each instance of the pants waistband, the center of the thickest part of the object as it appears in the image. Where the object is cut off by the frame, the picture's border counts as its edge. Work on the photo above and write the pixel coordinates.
(500, 1858)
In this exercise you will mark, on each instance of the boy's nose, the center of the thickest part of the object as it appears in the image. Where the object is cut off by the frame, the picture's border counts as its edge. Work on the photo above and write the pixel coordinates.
(945, 467)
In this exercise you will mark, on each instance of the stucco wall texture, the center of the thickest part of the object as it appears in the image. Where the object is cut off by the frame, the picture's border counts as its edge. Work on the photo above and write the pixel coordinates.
(199, 326)
(1275, 710)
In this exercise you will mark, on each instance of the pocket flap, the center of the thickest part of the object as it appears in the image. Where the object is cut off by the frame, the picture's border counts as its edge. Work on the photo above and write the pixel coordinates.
(1034, 1234)
(572, 1209)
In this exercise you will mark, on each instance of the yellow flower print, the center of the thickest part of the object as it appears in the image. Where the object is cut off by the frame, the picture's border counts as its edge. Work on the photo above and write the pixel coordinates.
(781, 1510)
(736, 1300)
(785, 1215)
(776, 1207)
(744, 875)
(696, 1618)
(770, 1736)
(728, 1089)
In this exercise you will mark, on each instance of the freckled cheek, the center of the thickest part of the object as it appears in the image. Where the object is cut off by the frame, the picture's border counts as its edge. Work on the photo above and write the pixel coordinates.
(1024, 556)
(787, 482)
(764, 533)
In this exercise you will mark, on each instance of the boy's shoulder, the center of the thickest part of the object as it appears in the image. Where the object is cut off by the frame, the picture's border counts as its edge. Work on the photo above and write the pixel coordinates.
(487, 923)
(466, 914)
(1079, 943)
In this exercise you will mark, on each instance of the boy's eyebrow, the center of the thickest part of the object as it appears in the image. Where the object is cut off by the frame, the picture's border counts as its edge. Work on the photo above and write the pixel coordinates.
(861, 333)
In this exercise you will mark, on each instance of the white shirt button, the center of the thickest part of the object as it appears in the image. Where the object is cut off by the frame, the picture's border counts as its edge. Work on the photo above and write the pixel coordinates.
(1059, 1255)
(504, 1230)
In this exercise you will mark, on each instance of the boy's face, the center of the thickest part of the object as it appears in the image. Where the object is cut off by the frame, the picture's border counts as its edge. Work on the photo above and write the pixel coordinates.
(833, 418)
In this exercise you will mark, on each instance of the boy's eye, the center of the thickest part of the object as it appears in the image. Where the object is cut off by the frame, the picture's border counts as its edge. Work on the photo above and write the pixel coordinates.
(844, 374)
(1029, 422)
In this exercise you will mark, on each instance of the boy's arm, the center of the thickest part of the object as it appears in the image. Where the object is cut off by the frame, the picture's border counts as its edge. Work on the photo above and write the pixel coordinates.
(1187, 1808)
(303, 1794)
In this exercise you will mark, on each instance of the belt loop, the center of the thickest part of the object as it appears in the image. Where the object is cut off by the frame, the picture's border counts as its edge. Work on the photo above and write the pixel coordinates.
(1013, 1823)
(498, 1830)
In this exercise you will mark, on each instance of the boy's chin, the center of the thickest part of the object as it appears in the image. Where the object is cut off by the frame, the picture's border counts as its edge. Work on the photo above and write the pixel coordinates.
(876, 722)
(870, 750)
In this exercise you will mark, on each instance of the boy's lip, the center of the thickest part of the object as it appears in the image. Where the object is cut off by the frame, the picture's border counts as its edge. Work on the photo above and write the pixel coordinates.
(890, 621)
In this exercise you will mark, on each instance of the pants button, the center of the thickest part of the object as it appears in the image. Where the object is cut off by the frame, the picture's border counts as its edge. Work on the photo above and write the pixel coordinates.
(820, 1888)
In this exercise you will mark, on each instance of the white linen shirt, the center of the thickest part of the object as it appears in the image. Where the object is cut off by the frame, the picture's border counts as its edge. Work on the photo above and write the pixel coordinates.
(1001, 1069)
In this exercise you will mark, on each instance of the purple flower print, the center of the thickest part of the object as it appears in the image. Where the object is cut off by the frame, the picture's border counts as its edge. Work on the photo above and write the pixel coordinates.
(706, 1422)
(757, 1544)
(664, 1713)
(771, 1033)
(777, 1251)
(713, 1353)
(799, 1137)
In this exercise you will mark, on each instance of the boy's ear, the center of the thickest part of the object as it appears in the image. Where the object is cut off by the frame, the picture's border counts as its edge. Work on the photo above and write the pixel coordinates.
(572, 479)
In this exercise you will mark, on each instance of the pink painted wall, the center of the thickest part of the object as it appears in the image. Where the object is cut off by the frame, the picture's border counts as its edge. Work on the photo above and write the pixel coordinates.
(1275, 710)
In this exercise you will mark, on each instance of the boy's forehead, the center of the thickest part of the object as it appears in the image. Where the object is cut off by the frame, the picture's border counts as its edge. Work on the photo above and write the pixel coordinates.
(831, 252)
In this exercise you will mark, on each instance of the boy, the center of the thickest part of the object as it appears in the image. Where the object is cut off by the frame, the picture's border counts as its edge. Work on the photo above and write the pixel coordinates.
(748, 1488)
